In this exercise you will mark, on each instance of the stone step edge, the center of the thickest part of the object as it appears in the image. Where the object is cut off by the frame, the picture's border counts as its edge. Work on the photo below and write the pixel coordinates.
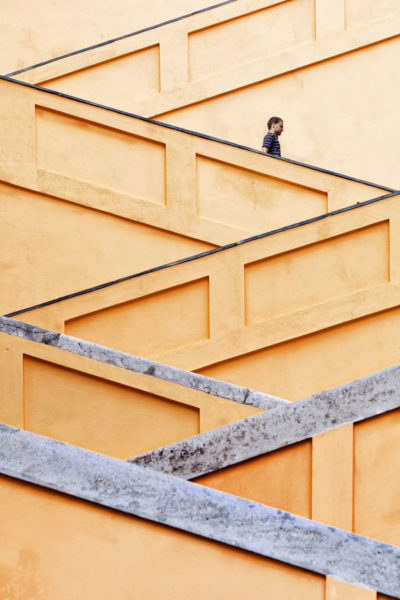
(198, 510)
(262, 433)
(137, 364)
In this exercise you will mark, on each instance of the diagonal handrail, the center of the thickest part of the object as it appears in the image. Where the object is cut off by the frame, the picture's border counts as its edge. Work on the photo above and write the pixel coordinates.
(121, 37)
(191, 132)
(201, 254)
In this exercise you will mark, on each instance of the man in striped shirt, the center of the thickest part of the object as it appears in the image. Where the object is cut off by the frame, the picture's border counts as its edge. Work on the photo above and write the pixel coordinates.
(271, 143)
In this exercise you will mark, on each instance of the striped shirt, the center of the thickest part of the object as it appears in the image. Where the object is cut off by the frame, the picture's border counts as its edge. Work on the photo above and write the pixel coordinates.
(272, 143)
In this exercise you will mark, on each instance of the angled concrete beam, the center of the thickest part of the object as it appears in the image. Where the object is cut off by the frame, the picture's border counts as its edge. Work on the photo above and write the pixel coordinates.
(259, 434)
(140, 365)
(199, 510)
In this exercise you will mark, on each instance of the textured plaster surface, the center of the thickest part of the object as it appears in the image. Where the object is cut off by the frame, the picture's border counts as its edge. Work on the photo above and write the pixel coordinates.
(256, 435)
(199, 510)
(140, 365)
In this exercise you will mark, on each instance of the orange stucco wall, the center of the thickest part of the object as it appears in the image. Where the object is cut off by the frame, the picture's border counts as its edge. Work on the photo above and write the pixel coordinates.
(33, 33)
(345, 477)
(277, 314)
(313, 68)
(329, 111)
(89, 195)
(107, 195)
(44, 557)
(103, 408)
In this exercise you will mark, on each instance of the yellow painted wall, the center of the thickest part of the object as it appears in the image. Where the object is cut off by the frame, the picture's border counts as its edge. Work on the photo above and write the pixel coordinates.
(46, 543)
(134, 168)
(31, 33)
(107, 196)
(89, 195)
(45, 546)
(336, 116)
(289, 314)
(45, 237)
(182, 52)
(313, 62)
(282, 479)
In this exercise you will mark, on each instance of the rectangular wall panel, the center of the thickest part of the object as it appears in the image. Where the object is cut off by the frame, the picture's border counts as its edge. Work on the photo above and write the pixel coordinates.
(317, 273)
(100, 415)
(377, 483)
(261, 34)
(281, 479)
(361, 12)
(304, 366)
(115, 82)
(152, 324)
(251, 200)
(86, 245)
(100, 155)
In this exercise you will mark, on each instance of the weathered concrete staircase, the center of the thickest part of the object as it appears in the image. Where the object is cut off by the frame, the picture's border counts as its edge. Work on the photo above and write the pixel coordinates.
(265, 459)
(212, 393)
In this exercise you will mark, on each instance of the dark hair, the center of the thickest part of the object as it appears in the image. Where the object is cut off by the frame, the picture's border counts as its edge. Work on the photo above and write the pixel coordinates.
(272, 121)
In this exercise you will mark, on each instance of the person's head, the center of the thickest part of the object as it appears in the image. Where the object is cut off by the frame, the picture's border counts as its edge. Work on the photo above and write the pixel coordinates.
(275, 125)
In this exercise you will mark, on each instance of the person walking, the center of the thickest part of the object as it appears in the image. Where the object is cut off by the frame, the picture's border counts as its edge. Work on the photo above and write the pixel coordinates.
(271, 143)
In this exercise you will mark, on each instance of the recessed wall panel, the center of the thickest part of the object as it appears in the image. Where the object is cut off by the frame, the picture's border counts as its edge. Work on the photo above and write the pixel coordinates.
(376, 478)
(97, 154)
(361, 12)
(86, 246)
(250, 200)
(250, 37)
(281, 479)
(150, 325)
(115, 82)
(300, 367)
(314, 135)
(317, 273)
(100, 415)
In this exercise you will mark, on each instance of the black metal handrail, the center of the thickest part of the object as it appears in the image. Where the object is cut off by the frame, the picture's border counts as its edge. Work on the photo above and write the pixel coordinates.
(121, 37)
(204, 136)
(202, 254)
